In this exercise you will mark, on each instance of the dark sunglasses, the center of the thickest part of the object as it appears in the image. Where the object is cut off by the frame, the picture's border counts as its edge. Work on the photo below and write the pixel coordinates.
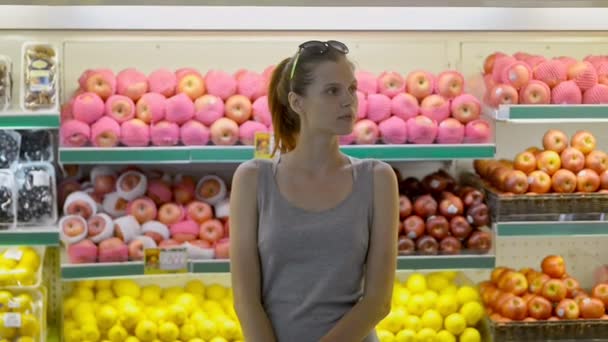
(319, 48)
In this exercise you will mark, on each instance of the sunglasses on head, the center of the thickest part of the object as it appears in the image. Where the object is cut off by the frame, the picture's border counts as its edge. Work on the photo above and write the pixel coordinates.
(319, 48)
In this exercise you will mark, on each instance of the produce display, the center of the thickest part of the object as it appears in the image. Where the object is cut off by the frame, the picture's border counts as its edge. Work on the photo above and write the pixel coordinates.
(122, 310)
(22, 316)
(564, 165)
(439, 216)
(548, 294)
(529, 79)
(420, 108)
(166, 108)
(20, 266)
(5, 82)
(433, 307)
(116, 214)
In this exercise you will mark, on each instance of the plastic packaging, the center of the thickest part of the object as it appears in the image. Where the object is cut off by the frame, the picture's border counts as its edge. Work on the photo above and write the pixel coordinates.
(24, 318)
(22, 266)
(37, 193)
(10, 143)
(40, 85)
(8, 200)
(6, 84)
(36, 145)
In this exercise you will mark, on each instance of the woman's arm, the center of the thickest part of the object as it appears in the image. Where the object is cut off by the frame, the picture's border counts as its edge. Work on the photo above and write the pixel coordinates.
(244, 258)
(381, 263)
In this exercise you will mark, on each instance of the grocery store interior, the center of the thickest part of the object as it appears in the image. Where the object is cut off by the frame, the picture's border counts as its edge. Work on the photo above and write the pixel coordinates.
(123, 122)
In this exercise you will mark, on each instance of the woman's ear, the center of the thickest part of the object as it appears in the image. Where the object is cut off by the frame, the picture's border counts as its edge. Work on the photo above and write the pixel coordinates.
(295, 102)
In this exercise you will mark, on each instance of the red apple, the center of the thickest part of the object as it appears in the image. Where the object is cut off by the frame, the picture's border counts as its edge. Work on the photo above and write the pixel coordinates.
(503, 94)
(222, 249)
(539, 308)
(211, 230)
(169, 243)
(567, 309)
(516, 283)
(224, 132)
(405, 207)
(450, 84)
(227, 227)
(539, 182)
(420, 84)
(238, 108)
(451, 206)
(73, 226)
(465, 108)
(427, 245)
(564, 181)
(554, 266)
(555, 140)
(535, 92)
(572, 285)
(437, 227)
(516, 182)
(549, 161)
(497, 273)
(183, 191)
(471, 196)
(479, 242)
(414, 227)
(460, 228)
(592, 308)
(425, 206)
(515, 308)
(488, 64)
(191, 83)
(199, 211)
(366, 132)
(583, 141)
(587, 180)
(525, 161)
(143, 209)
(597, 161)
(100, 81)
(537, 282)
(170, 213)
(604, 180)
(478, 215)
(573, 159)
(554, 290)
(406, 246)
(600, 291)
(450, 245)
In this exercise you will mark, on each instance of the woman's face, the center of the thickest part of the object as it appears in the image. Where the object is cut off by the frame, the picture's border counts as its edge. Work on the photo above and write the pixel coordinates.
(330, 103)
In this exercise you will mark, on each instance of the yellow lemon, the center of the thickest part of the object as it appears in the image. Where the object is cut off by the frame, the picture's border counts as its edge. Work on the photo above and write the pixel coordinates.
(187, 332)
(430, 298)
(426, 335)
(104, 296)
(90, 333)
(25, 339)
(72, 336)
(5, 298)
(7, 332)
(416, 283)
(447, 304)
(103, 284)
(196, 340)
(107, 317)
(467, 294)
(151, 294)
(171, 293)
(168, 332)
(451, 289)
(400, 297)
(206, 329)
(69, 304)
(86, 284)
(218, 339)
(432, 319)
(188, 301)
(126, 287)
(216, 292)
(473, 312)
(228, 329)
(29, 325)
(455, 323)
(416, 305)
(22, 303)
(412, 322)
(406, 335)
(470, 335)
(131, 339)
(117, 333)
(130, 315)
(445, 336)
(146, 330)
(393, 322)
(158, 314)
(195, 287)
(437, 281)
(385, 335)
(450, 275)
(178, 314)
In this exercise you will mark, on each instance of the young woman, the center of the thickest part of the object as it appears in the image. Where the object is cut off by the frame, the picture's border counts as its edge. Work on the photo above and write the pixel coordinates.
(313, 231)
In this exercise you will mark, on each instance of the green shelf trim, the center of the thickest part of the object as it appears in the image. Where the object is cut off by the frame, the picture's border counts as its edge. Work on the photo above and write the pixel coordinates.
(28, 121)
(440, 262)
(211, 266)
(101, 270)
(552, 228)
(421, 152)
(124, 155)
(548, 112)
(209, 154)
(21, 237)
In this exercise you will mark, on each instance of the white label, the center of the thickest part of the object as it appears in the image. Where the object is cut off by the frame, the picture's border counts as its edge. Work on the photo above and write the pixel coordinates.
(14, 304)
(411, 235)
(434, 184)
(470, 219)
(12, 320)
(560, 312)
(13, 254)
(452, 209)
(5, 180)
(173, 259)
(40, 178)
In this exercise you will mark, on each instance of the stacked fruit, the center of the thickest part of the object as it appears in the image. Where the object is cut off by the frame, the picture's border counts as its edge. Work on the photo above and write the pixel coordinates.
(19, 266)
(532, 79)
(420, 109)
(438, 216)
(166, 108)
(118, 214)
(432, 308)
(21, 316)
(558, 168)
(121, 310)
(529, 295)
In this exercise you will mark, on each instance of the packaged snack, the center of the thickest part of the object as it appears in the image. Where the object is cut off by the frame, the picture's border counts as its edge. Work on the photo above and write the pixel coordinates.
(37, 193)
(40, 77)
(22, 266)
(8, 196)
(36, 145)
(5, 82)
(10, 142)
(24, 318)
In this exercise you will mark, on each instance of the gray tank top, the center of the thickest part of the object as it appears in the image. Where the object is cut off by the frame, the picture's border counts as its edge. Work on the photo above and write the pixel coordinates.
(312, 263)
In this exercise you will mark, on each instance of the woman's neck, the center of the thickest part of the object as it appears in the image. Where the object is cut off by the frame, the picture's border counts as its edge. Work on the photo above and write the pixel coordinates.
(316, 153)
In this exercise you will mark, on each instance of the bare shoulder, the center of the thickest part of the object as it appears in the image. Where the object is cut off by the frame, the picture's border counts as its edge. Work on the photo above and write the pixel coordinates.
(246, 174)
(384, 176)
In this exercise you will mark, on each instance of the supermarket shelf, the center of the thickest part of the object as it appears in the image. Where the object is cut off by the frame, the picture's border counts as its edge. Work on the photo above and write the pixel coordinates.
(101, 270)
(550, 113)
(29, 121)
(547, 228)
(209, 266)
(446, 262)
(126, 155)
(215, 154)
(38, 237)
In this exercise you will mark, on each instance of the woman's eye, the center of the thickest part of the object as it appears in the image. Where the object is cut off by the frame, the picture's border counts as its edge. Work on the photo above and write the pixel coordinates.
(352, 89)
(332, 90)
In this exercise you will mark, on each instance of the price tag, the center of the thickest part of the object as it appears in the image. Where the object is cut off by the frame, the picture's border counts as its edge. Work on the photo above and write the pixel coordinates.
(12, 320)
(40, 178)
(263, 145)
(14, 304)
(13, 254)
(166, 260)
